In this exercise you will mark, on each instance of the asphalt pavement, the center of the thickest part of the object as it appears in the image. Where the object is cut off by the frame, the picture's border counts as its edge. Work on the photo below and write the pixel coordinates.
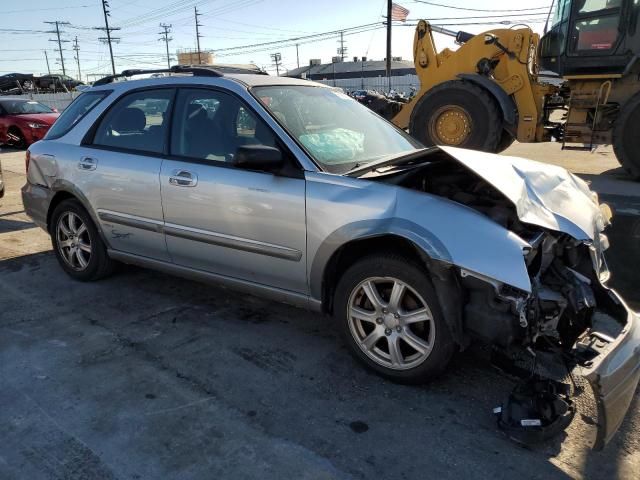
(147, 376)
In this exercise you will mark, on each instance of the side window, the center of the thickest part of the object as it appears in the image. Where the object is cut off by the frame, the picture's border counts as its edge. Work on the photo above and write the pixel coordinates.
(75, 112)
(211, 125)
(596, 26)
(137, 121)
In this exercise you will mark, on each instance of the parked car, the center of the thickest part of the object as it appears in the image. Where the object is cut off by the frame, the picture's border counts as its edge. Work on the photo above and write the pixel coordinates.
(16, 83)
(321, 203)
(24, 121)
(57, 82)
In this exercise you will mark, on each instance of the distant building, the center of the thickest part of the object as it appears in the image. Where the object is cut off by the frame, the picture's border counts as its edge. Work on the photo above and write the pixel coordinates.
(193, 57)
(360, 74)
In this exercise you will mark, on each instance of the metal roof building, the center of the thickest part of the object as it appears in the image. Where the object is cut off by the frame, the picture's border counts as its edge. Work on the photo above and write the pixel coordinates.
(354, 75)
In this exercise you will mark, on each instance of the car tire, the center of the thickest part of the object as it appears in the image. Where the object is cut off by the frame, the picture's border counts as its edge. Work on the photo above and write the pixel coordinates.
(626, 142)
(77, 243)
(459, 114)
(506, 140)
(421, 349)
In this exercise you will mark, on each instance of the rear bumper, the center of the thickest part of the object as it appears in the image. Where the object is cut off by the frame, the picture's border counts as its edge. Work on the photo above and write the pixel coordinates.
(36, 200)
(615, 372)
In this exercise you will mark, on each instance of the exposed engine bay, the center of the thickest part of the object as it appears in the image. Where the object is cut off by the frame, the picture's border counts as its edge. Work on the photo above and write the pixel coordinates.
(555, 320)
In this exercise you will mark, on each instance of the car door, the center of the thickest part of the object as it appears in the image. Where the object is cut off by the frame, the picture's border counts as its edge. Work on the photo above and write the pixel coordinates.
(118, 171)
(219, 218)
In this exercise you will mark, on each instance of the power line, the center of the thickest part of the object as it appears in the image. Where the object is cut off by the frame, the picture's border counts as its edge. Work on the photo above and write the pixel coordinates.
(165, 38)
(454, 7)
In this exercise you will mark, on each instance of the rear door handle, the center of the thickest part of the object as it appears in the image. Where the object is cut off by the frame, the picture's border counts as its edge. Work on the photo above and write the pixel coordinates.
(183, 178)
(88, 163)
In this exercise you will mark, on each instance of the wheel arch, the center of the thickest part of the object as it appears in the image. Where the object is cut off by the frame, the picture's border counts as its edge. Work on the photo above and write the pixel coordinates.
(507, 105)
(66, 191)
(442, 274)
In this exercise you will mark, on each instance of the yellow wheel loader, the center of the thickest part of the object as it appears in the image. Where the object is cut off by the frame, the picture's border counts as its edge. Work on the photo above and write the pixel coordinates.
(489, 92)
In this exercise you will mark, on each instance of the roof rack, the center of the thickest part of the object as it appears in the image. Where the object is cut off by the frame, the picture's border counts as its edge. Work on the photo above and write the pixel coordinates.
(196, 71)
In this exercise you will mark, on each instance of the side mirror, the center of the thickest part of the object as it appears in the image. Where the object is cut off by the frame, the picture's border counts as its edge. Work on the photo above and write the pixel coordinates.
(258, 157)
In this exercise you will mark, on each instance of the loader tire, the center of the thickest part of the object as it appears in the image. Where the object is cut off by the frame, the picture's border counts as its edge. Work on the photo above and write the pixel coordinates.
(626, 141)
(506, 140)
(458, 114)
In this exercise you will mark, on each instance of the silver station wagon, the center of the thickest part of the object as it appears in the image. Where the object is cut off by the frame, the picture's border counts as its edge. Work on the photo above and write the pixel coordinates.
(294, 191)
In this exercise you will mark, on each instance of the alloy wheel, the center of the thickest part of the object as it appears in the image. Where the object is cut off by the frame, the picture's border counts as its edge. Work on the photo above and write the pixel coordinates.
(391, 323)
(73, 240)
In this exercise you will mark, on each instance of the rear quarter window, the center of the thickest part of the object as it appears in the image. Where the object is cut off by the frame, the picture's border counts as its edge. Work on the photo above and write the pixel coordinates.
(75, 112)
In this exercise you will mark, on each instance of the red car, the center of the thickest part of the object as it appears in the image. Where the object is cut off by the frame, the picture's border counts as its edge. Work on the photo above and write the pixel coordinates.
(24, 121)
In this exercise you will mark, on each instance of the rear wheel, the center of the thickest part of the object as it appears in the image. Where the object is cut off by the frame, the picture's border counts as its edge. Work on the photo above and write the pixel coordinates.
(626, 141)
(77, 243)
(391, 320)
(458, 114)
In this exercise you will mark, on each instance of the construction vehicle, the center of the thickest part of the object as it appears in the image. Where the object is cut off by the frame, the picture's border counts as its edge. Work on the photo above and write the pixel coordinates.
(489, 92)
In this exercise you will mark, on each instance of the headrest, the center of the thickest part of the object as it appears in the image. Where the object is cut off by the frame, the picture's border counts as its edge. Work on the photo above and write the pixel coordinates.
(131, 119)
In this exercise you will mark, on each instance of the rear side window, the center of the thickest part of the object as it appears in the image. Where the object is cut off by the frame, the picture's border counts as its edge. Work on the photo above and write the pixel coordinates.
(137, 121)
(75, 112)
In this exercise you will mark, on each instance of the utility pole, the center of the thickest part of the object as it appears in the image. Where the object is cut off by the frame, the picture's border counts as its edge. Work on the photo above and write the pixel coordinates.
(342, 50)
(109, 39)
(76, 48)
(297, 56)
(165, 38)
(57, 23)
(198, 25)
(277, 60)
(389, 7)
(46, 57)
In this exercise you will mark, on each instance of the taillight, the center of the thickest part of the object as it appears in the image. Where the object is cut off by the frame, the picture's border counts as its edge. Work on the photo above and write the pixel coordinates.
(27, 159)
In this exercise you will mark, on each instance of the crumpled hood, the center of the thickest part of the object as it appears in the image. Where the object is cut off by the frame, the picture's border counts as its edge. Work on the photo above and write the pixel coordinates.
(544, 195)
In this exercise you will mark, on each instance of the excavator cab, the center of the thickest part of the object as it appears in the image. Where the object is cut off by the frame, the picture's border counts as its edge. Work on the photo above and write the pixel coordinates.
(591, 37)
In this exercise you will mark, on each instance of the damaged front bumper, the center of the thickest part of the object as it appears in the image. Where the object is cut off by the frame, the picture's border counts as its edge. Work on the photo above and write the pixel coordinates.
(614, 371)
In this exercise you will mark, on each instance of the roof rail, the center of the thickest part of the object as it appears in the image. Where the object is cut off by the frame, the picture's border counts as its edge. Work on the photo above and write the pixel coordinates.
(196, 71)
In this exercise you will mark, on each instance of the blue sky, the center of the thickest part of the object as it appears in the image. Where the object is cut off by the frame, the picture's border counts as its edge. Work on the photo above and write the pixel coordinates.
(227, 23)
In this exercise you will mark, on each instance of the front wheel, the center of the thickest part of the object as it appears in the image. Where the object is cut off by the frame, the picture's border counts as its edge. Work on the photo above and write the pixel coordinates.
(458, 114)
(391, 319)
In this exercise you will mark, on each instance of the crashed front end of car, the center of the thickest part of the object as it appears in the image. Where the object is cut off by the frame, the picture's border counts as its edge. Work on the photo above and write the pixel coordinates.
(558, 305)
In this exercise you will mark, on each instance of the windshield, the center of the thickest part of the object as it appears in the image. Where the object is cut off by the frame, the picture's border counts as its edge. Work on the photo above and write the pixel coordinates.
(18, 107)
(338, 132)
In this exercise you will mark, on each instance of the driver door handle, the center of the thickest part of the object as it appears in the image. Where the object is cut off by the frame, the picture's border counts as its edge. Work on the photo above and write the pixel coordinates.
(183, 178)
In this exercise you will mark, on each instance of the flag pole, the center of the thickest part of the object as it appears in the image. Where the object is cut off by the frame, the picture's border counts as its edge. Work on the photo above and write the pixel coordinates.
(389, 7)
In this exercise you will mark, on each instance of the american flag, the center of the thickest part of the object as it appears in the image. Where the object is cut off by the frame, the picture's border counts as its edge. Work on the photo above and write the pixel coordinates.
(398, 12)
